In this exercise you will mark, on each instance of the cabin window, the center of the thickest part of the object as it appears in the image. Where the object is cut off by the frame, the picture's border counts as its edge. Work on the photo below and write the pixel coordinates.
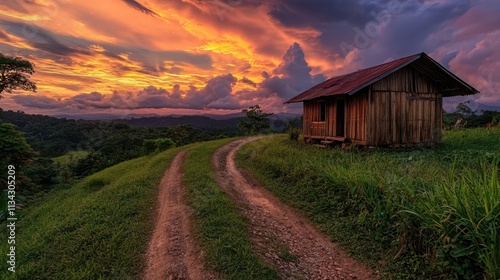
(322, 111)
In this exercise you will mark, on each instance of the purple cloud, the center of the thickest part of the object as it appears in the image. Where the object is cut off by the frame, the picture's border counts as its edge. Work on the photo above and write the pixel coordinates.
(138, 6)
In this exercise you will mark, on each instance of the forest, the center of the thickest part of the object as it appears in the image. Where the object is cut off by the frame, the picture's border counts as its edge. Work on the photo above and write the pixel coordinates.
(32, 141)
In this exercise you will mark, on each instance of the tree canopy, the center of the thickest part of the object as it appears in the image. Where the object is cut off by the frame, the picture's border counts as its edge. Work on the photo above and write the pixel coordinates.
(15, 73)
(13, 146)
(256, 121)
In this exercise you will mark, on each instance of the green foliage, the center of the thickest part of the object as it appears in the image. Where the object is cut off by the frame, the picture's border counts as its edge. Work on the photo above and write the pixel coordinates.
(220, 228)
(256, 121)
(461, 215)
(465, 117)
(431, 213)
(294, 129)
(464, 109)
(15, 151)
(13, 147)
(107, 143)
(54, 137)
(90, 164)
(96, 229)
(157, 145)
(15, 73)
(43, 173)
(70, 157)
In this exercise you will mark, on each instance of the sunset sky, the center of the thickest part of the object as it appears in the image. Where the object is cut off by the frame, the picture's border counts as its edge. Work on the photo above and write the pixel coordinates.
(219, 56)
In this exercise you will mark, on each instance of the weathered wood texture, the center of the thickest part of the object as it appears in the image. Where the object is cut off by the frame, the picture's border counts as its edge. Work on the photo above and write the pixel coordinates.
(403, 108)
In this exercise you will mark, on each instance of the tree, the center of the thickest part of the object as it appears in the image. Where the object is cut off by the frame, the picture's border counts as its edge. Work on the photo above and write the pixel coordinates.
(256, 121)
(13, 146)
(15, 73)
(294, 128)
(14, 151)
(157, 145)
(464, 109)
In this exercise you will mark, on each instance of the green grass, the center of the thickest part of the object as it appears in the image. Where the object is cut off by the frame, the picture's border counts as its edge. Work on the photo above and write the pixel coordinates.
(422, 213)
(220, 228)
(97, 229)
(70, 157)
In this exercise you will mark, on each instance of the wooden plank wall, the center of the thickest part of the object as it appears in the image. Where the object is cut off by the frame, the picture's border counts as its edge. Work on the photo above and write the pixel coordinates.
(405, 107)
(356, 115)
(331, 117)
(307, 118)
(311, 124)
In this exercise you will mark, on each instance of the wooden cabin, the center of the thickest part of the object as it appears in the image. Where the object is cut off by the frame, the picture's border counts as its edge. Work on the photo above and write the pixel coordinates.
(395, 103)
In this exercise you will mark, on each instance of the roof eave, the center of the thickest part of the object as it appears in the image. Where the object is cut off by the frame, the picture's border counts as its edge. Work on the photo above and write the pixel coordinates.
(470, 88)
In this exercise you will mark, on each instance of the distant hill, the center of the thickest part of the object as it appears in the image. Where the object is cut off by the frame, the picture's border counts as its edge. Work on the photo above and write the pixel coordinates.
(101, 117)
(483, 107)
(54, 137)
(109, 117)
(196, 121)
(479, 108)
(203, 121)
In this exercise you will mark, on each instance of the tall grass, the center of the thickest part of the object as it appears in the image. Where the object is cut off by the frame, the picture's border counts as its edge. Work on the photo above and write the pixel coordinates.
(463, 214)
(220, 228)
(97, 229)
(422, 213)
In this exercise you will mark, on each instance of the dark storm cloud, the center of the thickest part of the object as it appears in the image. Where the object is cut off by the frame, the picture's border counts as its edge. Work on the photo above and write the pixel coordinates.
(41, 39)
(46, 42)
(247, 81)
(216, 94)
(138, 6)
(315, 13)
(40, 102)
(292, 76)
(402, 27)
(413, 32)
(445, 60)
(336, 21)
(415, 28)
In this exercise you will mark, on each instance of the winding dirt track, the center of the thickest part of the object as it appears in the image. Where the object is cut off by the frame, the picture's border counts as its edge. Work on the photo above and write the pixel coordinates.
(281, 236)
(172, 253)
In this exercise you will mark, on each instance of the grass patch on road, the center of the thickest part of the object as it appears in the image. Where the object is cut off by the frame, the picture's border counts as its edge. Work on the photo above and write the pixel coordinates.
(96, 229)
(220, 228)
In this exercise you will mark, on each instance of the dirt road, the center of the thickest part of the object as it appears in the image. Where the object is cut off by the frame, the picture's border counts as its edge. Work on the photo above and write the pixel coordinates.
(172, 253)
(280, 235)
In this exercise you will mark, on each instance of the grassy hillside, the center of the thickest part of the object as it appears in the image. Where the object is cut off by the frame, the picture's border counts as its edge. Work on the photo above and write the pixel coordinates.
(71, 156)
(431, 213)
(97, 229)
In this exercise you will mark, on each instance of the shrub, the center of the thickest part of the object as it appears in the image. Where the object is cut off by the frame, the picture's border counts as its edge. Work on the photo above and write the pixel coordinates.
(294, 133)
(294, 129)
(157, 145)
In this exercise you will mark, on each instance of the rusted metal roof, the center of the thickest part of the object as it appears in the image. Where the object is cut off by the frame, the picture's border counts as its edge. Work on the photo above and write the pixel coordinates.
(355, 81)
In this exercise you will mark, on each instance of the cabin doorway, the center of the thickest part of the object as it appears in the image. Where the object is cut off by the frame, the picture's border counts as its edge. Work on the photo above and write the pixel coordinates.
(340, 125)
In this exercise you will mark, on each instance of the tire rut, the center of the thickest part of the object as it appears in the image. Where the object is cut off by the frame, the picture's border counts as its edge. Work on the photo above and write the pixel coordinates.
(280, 236)
(172, 253)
